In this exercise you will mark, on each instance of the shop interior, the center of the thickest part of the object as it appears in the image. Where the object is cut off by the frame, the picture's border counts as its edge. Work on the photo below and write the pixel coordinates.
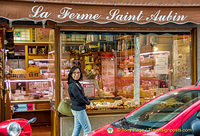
(107, 61)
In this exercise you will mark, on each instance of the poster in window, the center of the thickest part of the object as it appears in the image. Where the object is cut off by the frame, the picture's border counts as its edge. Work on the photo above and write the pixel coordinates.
(89, 89)
(161, 66)
(42, 34)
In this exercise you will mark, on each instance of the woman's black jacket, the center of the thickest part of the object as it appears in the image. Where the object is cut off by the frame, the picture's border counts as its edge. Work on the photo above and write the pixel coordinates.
(77, 96)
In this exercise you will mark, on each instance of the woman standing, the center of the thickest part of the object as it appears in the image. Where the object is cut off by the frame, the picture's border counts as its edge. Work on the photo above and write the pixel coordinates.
(79, 102)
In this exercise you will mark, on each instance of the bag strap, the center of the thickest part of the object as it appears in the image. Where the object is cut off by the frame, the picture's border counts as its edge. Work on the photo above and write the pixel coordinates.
(80, 88)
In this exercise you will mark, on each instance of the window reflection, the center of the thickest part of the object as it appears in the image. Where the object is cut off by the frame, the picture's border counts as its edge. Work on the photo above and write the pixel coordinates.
(107, 62)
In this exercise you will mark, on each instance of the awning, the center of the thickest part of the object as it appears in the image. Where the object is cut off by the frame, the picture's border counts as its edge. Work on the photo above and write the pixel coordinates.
(83, 11)
(165, 3)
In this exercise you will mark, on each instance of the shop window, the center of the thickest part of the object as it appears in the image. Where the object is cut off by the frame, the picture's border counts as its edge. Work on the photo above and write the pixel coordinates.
(32, 65)
(107, 61)
(165, 64)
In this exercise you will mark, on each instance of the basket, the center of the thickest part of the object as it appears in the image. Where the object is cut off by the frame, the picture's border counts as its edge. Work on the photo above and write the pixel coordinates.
(18, 74)
(33, 72)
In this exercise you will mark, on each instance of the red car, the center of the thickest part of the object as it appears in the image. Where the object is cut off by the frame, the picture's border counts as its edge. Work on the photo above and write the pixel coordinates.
(175, 113)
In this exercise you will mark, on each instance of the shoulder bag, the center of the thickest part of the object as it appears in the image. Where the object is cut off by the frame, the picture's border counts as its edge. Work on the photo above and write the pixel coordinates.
(64, 107)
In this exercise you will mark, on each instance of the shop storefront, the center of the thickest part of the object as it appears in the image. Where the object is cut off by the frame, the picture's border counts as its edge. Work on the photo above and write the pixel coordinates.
(129, 53)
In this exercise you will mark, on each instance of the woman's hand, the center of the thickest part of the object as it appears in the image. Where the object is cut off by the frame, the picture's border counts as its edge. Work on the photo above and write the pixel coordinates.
(91, 104)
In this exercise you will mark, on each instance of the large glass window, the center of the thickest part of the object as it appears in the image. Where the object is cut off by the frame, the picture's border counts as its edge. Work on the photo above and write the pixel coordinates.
(29, 64)
(108, 60)
(164, 63)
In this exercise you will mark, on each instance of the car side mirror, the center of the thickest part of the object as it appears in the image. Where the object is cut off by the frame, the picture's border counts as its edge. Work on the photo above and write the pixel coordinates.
(195, 125)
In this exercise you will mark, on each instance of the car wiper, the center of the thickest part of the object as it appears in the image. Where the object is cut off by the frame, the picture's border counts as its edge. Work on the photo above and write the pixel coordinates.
(122, 123)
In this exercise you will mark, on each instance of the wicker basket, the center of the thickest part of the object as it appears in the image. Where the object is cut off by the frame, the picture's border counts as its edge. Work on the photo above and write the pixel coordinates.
(18, 74)
(33, 72)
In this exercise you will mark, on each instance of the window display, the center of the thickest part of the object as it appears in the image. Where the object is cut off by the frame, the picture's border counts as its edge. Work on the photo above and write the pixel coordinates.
(107, 61)
(30, 72)
(30, 89)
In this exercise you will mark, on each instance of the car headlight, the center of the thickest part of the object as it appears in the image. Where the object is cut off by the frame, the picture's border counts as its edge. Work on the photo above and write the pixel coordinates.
(13, 129)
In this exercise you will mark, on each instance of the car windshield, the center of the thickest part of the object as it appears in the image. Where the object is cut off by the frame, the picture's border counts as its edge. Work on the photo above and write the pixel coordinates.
(159, 111)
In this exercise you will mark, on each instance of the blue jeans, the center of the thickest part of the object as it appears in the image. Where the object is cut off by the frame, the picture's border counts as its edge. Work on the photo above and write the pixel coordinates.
(81, 121)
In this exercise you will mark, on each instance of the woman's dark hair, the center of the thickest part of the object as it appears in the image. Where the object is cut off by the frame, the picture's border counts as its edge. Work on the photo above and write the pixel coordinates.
(70, 79)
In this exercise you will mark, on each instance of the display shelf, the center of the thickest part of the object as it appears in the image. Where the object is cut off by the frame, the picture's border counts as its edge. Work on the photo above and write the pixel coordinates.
(149, 78)
(33, 43)
(30, 102)
(141, 64)
(141, 78)
(147, 63)
(100, 41)
(106, 111)
(40, 108)
(37, 55)
(43, 68)
(32, 111)
(125, 78)
(109, 111)
(35, 51)
(40, 87)
(124, 37)
(127, 52)
(127, 66)
(72, 43)
(27, 80)
(89, 63)
(30, 57)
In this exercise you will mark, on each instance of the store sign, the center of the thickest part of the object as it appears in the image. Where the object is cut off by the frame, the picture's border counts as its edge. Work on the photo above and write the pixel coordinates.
(98, 14)
(67, 13)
